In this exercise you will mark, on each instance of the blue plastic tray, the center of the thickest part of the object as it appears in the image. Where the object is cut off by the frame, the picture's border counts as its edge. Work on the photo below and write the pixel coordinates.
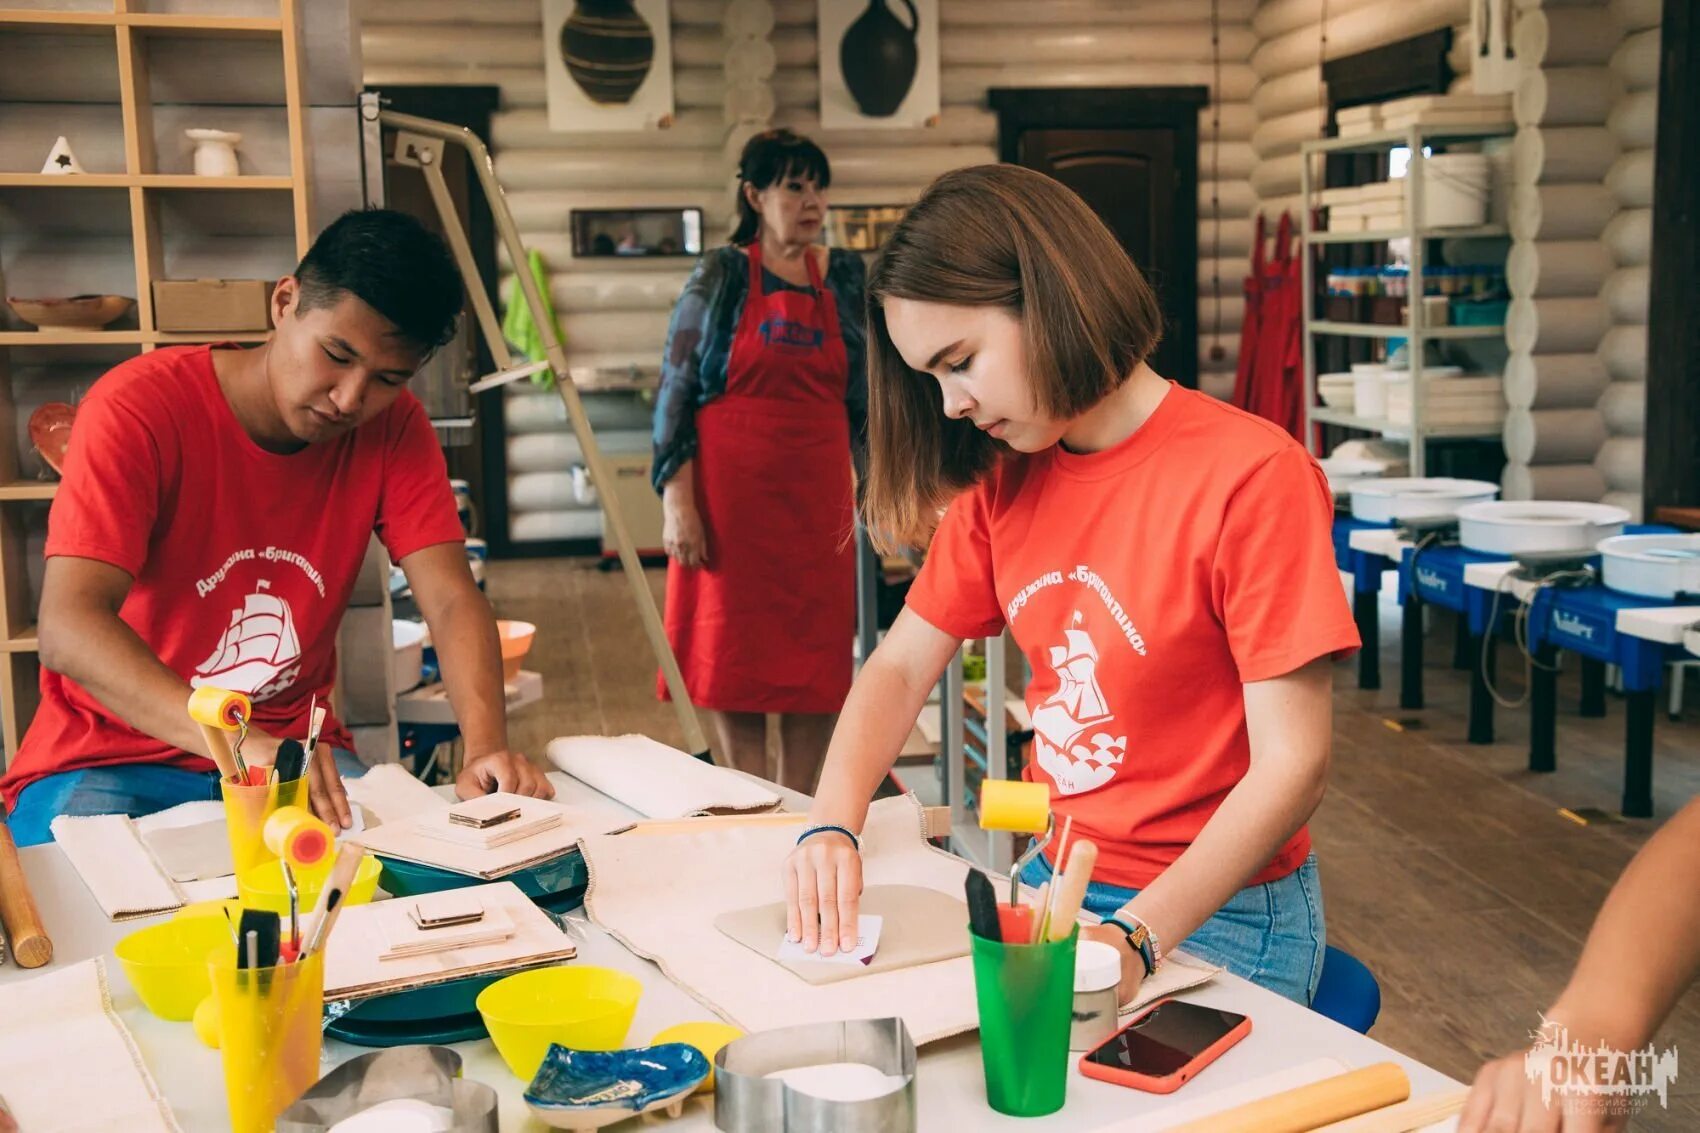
(556, 885)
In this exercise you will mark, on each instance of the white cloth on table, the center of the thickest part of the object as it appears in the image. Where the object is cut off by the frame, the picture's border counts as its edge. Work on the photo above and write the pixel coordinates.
(655, 780)
(68, 1064)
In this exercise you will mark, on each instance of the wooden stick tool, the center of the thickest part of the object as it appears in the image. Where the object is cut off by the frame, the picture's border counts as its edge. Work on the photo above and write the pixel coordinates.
(30, 942)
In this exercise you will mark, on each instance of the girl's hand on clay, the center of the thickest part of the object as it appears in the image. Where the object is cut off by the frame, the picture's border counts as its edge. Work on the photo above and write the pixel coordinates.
(823, 884)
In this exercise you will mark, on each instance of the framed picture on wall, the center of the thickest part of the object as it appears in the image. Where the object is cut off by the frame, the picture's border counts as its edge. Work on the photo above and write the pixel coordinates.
(637, 232)
(861, 228)
(879, 63)
(608, 64)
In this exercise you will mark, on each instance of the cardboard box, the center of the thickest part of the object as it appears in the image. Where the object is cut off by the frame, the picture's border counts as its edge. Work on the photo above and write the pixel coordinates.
(201, 305)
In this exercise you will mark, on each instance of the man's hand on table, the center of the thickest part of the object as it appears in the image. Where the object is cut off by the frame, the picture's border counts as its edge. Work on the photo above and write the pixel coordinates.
(1133, 968)
(1504, 1098)
(502, 771)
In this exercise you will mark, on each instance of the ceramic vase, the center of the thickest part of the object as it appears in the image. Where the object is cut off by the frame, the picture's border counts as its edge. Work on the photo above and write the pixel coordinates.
(608, 49)
(215, 152)
(878, 57)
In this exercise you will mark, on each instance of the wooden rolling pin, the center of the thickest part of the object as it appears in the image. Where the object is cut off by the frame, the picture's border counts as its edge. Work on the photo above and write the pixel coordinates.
(1419, 1113)
(1310, 1107)
(29, 940)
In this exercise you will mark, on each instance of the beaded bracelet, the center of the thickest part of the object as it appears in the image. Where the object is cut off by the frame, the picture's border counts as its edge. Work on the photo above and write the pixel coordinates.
(829, 827)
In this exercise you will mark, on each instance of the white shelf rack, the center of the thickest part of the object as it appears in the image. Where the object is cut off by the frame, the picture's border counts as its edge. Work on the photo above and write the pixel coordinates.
(1415, 329)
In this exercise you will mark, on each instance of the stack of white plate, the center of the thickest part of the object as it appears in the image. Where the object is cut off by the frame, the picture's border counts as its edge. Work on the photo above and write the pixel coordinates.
(1406, 498)
(1539, 527)
(1335, 391)
(1652, 566)
(1343, 472)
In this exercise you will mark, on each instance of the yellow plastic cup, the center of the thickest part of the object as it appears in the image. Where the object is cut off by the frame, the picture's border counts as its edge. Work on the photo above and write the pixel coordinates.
(245, 812)
(706, 1037)
(167, 963)
(269, 1035)
(580, 1006)
(262, 887)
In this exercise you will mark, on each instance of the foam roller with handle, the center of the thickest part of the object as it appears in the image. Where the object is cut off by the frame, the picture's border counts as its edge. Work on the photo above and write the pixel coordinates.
(1014, 805)
(296, 836)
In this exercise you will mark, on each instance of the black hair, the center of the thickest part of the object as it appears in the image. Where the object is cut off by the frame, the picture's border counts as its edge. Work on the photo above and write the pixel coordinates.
(769, 157)
(392, 263)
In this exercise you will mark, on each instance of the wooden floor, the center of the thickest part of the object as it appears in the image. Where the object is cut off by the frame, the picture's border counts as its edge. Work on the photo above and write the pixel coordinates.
(1446, 868)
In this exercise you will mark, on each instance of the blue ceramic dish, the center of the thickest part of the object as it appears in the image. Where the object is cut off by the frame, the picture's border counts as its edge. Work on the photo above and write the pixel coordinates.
(579, 1089)
(556, 885)
(442, 1013)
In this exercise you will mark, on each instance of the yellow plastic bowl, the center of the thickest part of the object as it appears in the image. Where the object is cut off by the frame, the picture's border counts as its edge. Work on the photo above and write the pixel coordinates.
(167, 963)
(706, 1037)
(262, 887)
(578, 1006)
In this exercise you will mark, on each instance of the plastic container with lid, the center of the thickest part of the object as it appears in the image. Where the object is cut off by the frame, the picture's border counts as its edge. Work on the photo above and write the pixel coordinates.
(1097, 971)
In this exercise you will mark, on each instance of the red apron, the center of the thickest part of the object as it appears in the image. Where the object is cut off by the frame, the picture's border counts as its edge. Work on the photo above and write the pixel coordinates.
(1277, 383)
(767, 625)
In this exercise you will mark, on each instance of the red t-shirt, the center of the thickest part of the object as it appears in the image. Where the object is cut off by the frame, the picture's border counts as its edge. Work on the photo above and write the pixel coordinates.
(243, 559)
(1146, 584)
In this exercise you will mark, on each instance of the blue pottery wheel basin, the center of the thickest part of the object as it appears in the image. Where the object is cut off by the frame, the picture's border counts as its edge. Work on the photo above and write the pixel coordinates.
(581, 1089)
(557, 884)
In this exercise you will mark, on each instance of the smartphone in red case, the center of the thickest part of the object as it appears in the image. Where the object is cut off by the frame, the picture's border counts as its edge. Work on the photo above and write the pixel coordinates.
(1164, 1046)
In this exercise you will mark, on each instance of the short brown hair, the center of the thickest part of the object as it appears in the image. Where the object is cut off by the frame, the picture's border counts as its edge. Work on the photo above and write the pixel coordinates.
(998, 236)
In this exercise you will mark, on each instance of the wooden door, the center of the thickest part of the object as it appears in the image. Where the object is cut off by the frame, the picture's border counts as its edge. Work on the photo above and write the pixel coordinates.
(1132, 155)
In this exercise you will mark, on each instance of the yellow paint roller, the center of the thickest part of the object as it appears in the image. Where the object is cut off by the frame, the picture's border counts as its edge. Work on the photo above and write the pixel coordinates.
(218, 711)
(293, 834)
(1019, 808)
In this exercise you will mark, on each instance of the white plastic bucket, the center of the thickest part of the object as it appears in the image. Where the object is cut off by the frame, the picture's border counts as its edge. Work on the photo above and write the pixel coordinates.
(1455, 190)
(1369, 392)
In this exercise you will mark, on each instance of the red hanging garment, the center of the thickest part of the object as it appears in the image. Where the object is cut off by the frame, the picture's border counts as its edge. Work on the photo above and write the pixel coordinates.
(1275, 376)
(1249, 322)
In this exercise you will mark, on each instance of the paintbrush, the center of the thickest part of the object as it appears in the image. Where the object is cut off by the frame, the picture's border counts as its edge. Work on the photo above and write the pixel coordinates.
(331, 897)
(294, 906)
(316, 721)
(1070, 891)
(982, 907)
(291, 761)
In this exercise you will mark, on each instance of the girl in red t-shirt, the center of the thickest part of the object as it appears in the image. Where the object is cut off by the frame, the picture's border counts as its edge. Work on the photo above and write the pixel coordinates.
(1163, 561)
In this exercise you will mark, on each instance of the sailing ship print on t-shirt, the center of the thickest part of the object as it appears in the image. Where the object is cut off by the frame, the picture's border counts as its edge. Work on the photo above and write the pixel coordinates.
(258, 650)
(1074, 740)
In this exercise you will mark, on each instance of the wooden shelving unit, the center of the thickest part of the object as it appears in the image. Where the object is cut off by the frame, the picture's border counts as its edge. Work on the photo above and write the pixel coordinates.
(132, 31)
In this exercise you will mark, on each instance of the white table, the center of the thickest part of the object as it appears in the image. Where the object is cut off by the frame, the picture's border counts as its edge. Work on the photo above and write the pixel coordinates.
(949, 1080)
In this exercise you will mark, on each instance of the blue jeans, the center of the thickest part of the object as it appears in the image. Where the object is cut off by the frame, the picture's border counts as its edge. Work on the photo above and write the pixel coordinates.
(134, 789)
(1271, 934)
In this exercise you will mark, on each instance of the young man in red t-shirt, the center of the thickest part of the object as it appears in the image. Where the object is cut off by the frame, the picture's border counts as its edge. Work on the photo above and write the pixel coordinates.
(216, 507)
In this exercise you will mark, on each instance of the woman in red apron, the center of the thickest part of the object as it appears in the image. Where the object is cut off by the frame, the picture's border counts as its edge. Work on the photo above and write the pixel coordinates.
(753, 433)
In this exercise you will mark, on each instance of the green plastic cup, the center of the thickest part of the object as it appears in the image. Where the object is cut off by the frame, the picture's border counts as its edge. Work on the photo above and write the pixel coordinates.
(1026, 998)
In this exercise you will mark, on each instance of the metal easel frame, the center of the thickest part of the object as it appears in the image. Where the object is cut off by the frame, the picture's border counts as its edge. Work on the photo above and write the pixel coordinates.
(419, 143)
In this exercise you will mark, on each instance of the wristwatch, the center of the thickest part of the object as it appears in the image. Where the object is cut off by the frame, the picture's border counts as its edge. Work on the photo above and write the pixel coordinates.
(1140, 938)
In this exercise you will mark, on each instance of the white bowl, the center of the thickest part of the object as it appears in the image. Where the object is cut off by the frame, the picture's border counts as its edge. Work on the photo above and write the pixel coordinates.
(1514, 527)
(1652, 566)
(1427, 497)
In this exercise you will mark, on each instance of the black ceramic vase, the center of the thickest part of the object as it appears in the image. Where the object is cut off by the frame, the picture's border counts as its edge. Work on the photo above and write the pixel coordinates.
(878, 57)
(607, 48)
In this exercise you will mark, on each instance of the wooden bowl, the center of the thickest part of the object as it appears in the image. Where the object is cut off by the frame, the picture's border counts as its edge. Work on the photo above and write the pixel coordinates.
(79, 312)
